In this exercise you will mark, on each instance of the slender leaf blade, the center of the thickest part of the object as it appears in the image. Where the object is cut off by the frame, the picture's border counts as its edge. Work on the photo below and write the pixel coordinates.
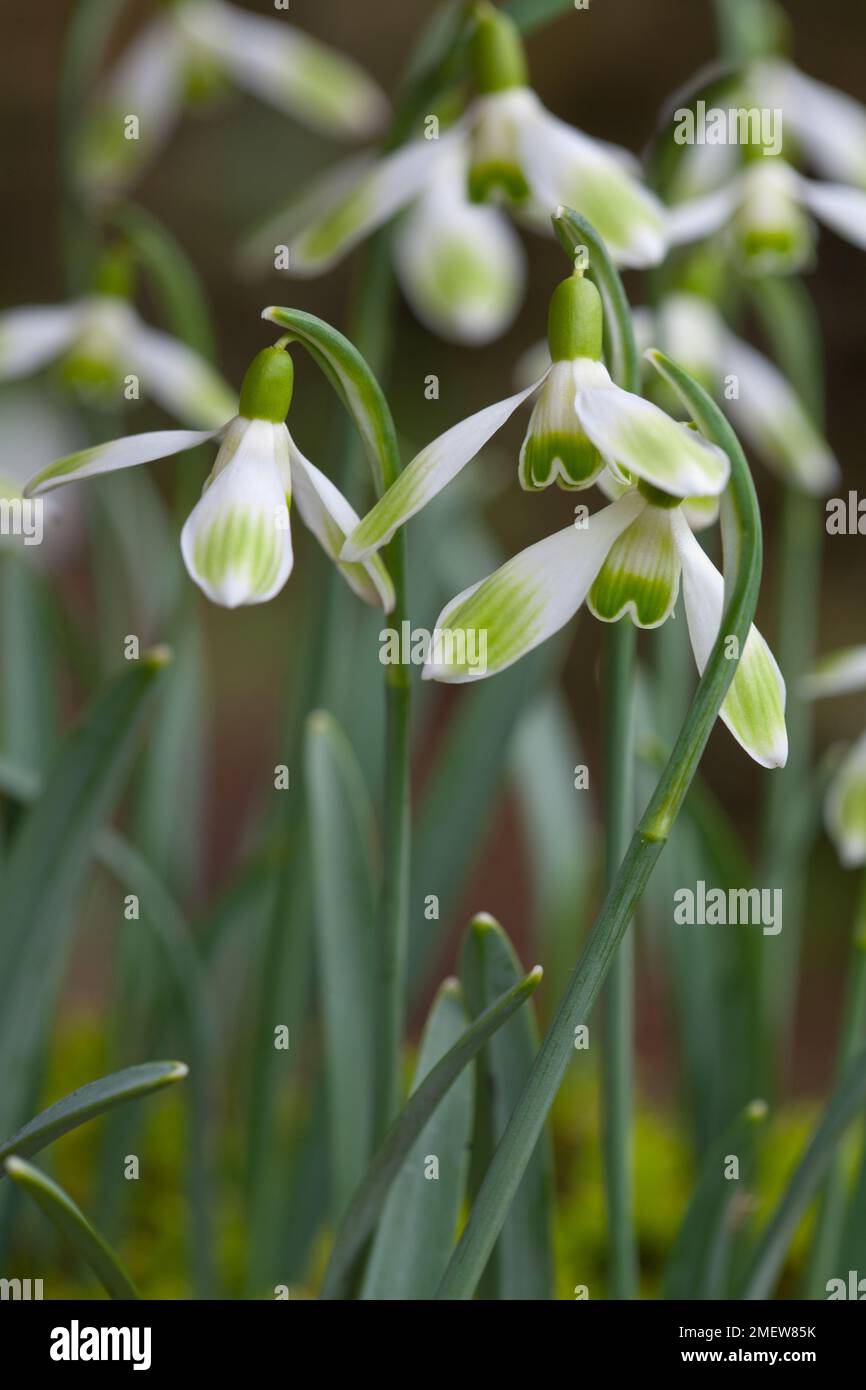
(89, 1101)
(367, 1204)
(415, 1235)
(521, 1266)
(71, 1222)
(341, 841)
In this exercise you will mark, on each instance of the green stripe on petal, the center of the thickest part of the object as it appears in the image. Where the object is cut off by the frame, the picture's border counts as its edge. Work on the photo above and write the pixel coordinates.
(636, 435)
(641, 575)
(754, 707)
(491, 625)
(555, 447)
(115, 455)
(428, 473)
(236, 542)
(845, 807)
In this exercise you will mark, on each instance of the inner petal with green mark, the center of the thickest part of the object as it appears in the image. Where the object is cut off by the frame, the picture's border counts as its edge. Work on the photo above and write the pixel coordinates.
(641, 575)
(494, 152)
(555, 448)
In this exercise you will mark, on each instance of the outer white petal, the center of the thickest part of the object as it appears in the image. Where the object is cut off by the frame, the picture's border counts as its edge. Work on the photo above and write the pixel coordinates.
(331, 518)
(460, 264)
(562, 165)
(178, 378)
(829, 124)
(33, 335)
(527, 600)
(634, 434)
(754, 707)
(692, 332)
(313, 82)
(428, 473)
(358, 199)
(236, 542)
(770, 416)
(838, 674)
(842, 208)
(146, 83)
(116, 454)
(845, 807)
(700, 217)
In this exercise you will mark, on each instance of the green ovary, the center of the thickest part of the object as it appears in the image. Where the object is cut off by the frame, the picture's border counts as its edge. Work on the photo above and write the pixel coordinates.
(569, 458)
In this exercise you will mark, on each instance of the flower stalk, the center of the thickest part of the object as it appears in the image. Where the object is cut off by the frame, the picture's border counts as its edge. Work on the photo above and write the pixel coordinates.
(743, 553)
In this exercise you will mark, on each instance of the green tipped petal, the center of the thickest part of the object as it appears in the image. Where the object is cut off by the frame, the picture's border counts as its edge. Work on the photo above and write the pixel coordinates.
(837, 674)
(637, 436)
(491, 625)
(555, 448)
(754, 707)
(329, 516)
(845, 808)
(236, 542)
(428, 473)
(115, 455)
(641, 575)
(285, 67)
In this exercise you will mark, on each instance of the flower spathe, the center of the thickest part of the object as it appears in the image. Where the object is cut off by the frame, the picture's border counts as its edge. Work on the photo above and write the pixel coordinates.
(581, 421)
(236, 542)
(193, 45)
(843, 673)
(629, 559)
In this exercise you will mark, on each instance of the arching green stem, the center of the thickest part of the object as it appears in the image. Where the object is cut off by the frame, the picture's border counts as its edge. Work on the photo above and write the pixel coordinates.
(742, 544)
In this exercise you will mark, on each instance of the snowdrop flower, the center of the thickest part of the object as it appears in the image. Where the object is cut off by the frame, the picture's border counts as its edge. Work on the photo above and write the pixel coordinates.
(237, 543)
(581, 421)
(760, 402)
(627, 559)
(457, 257)
(194, 42)
(845, 802)
(100, 341)
(768, 210)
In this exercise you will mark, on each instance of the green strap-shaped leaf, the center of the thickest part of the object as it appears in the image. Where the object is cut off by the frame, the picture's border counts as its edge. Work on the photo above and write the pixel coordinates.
(46, 866)
(844, 1104)
(521, 1266)
(71, 1222)
(363, 1213)
(354, 383)
(89, 1101)
(418, 1225)
(695, 1264)
(341, 842)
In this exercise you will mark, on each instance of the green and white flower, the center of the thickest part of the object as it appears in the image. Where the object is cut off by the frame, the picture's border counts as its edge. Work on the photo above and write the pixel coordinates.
(580, 422)
(457, 257)
(845, 804)
(762, 405)
(237, 543)
(100, 341)
(193, 45)
(628, 559)
(767, 211)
